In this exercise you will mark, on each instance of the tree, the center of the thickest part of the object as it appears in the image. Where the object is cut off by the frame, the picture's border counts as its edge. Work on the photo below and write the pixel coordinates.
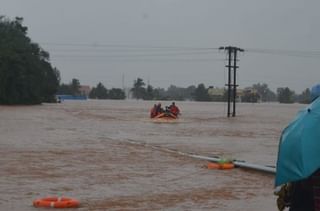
(190, 90)
(285, 95)
(149, 95)
(64, 89)
(73, 88)
(201, 93)
(26, 76)
(305, 97)
(117, 94)
(50, 84)
(264, 92)
(99, 92)
(159, 94)
(176, 93)
(138, 90)
(250, 95)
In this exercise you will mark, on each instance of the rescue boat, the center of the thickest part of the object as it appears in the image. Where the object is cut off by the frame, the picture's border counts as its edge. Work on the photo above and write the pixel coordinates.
(165, 117)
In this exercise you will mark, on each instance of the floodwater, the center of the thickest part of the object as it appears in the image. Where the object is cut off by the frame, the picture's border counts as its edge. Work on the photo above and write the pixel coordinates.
(111, 156)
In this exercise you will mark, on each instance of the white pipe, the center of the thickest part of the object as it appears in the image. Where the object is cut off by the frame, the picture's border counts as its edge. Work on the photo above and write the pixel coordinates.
(235, 162)
(255, 167)
(238, 164)
(242, 164)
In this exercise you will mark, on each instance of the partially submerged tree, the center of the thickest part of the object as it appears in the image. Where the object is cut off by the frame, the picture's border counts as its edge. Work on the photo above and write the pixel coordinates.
(285, 95)
(116, 94)
(73, 88)
(26, 76)
(201, 93)
(101, 92)
(264, 92)
(304, 97)
(138, 90)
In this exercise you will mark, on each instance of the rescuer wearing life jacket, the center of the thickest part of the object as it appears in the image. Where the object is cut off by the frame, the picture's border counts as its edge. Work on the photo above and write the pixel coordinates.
(153, 111)
(174, 109)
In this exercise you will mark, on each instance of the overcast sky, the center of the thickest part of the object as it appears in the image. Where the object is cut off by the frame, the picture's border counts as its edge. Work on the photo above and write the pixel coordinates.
(175, 41)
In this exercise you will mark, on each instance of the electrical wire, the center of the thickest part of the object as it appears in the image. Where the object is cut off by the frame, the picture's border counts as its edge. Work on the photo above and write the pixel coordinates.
(87, 51)
(94, 45)
(282, 52)
(86, 59)
(133, 55)
(123, 52)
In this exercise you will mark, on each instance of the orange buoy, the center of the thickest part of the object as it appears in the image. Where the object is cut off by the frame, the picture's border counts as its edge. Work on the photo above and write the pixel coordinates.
(213, 166)
(56, 202)
(222, 166)
(226, 166)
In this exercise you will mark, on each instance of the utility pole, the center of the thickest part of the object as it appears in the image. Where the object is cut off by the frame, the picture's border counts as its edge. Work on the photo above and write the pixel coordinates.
(229, 80)
(232, 84)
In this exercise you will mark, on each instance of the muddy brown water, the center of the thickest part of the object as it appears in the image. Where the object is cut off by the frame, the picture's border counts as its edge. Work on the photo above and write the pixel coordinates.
(101, 153)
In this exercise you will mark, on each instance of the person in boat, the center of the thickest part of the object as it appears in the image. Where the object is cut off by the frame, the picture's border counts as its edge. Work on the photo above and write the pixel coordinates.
(174, 109)
(153, 111)
(159, 109)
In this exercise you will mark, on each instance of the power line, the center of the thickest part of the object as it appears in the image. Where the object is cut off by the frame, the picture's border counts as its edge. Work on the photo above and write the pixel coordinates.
(282, 52)
(149, 47)
(94, 59)
(133, 55)
(94, 45)
(97, 47)
(128, 50)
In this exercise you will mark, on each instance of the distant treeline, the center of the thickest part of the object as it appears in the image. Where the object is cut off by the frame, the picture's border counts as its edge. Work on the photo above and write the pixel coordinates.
(256, 93)
(259, 92)
(98, 92)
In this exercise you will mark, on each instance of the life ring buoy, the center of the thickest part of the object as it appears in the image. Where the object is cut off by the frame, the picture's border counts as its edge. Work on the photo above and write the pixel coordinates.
(56, 202)
(222, 166)
(213, 166)
(226, 166)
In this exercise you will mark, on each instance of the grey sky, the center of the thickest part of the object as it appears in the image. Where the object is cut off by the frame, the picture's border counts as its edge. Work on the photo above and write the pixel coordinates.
(112, 40)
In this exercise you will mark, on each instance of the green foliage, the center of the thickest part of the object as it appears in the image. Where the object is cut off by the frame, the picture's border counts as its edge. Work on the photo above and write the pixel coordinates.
(138, 90)
(101, 92)
(264, 92)
(26, 76)
(116, 94)
(201, 93)
(285, 95)
(305, 97)
(149, 93)
(64, 89)
(259, 92)
(73, 88)
(160, 94)
(250, 95)
(176, 93)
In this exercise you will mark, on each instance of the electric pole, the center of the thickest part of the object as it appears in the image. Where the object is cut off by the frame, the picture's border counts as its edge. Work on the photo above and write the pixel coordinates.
(232, 83)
